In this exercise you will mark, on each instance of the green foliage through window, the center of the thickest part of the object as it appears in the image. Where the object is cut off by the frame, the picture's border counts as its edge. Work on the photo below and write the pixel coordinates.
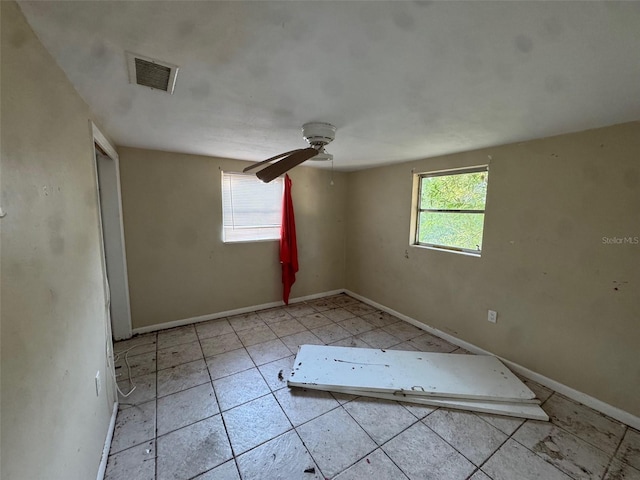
(451, 209)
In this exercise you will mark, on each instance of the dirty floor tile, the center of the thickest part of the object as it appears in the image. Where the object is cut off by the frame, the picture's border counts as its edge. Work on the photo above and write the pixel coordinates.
(513, 460)
(564, 450)
(137, 365)
(181, 377)
(294, 341)
(591, 426)
(467, 433)
(287, 327)
(254, 423)
(379, 338)
(245, 321)
(176, 336)
(421, 454)
(629, 450)
(356, 325)
(331, 333)
(178, 354)
(192, 450)
(137, 345)
(338, 314)
(374, 465)
(255, 335)
(213, 328)
(220, 344)
(240, 388)
(335, 441)
(134, 425)
(381, 419)
(302, 405)
(268, 351)
(621, 471)
(430, 343)
(186, 407)
(228, 363)
(144, 391)
(314, 321)
(136, 463)
(274, 315)
(226, 471)
(283, 458)
(277, 373)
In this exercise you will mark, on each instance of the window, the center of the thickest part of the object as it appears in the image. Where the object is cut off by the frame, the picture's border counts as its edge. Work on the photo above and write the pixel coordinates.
(251, 209)
(450, 209)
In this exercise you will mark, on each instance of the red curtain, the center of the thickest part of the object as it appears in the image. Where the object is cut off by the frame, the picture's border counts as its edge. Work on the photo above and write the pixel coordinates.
(288, 245)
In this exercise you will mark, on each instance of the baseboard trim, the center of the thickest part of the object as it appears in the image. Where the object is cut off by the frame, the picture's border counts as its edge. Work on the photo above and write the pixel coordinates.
(107, 443)
(228, 313)
(592, 402)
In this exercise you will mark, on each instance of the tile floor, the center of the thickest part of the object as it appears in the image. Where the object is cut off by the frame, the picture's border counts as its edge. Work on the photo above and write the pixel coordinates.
(211, 403)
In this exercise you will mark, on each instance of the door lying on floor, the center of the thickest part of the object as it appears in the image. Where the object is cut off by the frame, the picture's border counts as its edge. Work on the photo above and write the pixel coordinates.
(471, 382)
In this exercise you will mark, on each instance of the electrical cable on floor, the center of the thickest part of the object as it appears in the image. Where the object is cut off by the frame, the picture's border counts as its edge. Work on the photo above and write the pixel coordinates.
(116, 357)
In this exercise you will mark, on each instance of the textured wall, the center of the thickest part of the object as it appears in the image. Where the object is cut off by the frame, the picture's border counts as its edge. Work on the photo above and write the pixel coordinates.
(178, 265)
(53, 305)
(567, 302)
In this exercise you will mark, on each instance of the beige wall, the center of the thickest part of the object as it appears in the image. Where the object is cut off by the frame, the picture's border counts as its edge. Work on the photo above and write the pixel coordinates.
(544, 266)
(53, 338)
(178, 265)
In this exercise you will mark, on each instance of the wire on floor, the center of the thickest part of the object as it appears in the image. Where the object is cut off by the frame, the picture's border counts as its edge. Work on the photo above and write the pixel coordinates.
(116, 357)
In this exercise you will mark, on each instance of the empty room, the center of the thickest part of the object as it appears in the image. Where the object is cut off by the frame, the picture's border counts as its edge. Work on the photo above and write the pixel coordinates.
(320, 240)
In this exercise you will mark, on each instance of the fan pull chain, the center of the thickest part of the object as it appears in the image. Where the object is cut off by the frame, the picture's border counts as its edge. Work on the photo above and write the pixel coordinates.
(331, 182)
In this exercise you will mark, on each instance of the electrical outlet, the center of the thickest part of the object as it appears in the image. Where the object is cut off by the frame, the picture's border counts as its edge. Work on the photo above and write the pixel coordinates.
(98, 384)
(493, 316)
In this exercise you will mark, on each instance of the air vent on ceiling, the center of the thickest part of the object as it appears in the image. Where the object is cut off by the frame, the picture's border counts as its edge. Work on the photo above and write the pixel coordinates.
(152, 73)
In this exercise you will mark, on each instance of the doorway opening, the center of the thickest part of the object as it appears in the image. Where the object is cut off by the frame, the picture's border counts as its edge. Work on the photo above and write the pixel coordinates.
(112, 236)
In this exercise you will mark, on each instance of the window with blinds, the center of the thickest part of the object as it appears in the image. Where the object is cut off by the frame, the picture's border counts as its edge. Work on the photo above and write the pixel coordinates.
(251, 209)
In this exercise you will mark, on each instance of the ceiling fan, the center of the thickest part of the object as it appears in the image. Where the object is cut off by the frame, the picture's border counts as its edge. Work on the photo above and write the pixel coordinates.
(317, 134)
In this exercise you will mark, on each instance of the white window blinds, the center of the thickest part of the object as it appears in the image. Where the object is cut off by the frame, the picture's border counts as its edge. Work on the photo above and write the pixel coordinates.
(251, 209)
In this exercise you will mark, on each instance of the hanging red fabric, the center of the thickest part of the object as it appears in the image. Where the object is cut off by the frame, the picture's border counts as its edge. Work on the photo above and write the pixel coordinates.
(288, 244)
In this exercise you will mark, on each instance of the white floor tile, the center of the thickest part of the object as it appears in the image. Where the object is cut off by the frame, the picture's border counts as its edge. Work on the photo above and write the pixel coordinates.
(254, 423)
(134, 425)
(181, 377)
(136, 463)
(226, 471)
(381, 419)
(513, 461)
(225, 364)
(276, 373)
(335, 441)
(302, 405)
(283, 458)
(186, 407)
(192, 450)
(573, 456)
(467, 433)
(239, 388)
(585, 423)
(178, 354)
(421, 454)
(374, 465)
(629, 450)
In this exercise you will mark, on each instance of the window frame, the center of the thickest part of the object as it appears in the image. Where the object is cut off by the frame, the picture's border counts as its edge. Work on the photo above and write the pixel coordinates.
(417, 210)
(275, 236)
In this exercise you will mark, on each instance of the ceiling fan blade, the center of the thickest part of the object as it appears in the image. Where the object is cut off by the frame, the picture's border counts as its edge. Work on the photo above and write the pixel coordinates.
(272, 171)
(251, 167)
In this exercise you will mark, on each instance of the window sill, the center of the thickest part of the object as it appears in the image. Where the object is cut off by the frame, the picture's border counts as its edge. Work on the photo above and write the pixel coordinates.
(449, 250)
(261, 240)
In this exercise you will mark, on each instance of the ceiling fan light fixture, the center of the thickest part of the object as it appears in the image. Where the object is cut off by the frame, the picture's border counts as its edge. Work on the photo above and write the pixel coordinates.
(322, 157)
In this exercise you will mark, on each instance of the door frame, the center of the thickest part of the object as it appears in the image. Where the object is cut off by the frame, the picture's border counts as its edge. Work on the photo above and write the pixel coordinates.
(120, 326)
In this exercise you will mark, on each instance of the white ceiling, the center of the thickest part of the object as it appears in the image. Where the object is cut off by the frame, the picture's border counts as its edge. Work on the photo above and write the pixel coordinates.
(400, 80)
